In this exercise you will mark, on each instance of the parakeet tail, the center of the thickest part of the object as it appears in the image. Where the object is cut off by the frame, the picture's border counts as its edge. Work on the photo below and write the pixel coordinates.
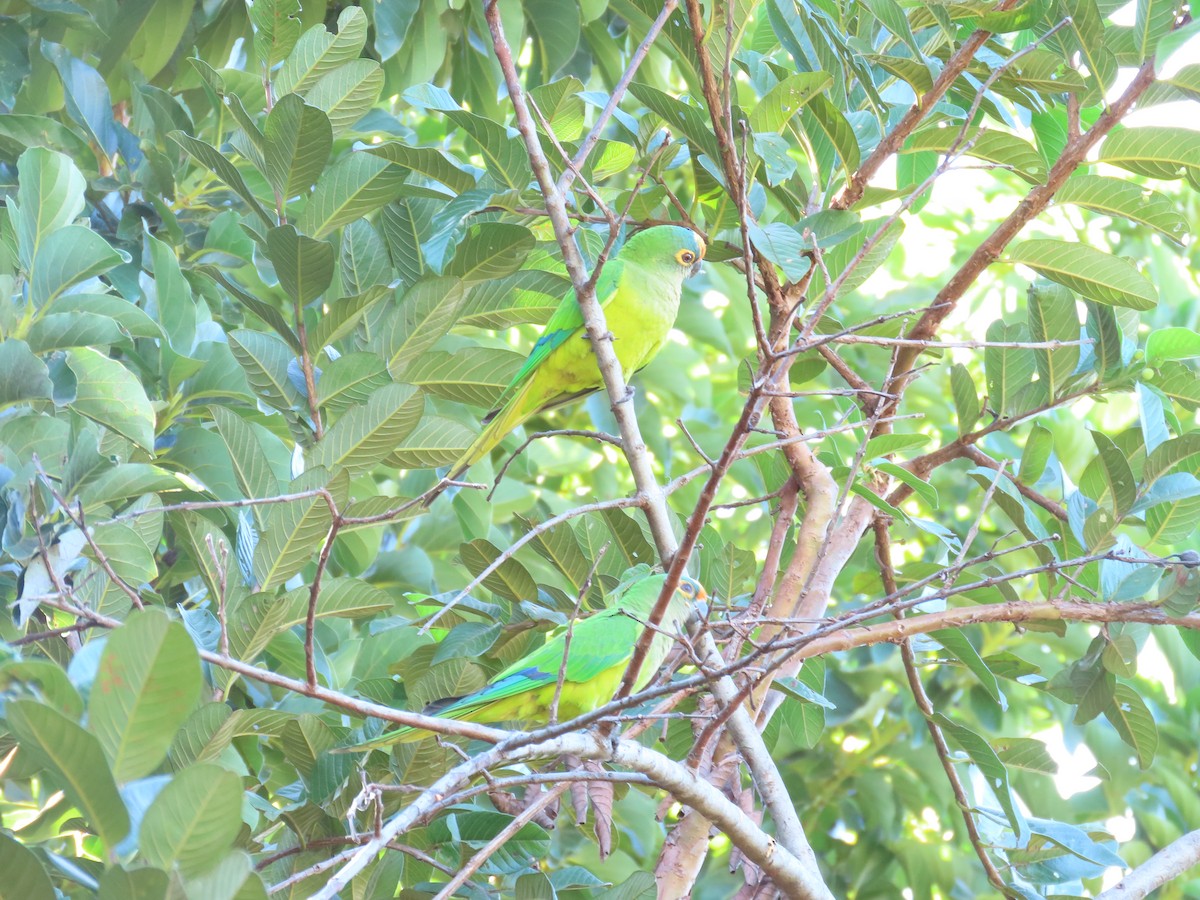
(497, 428)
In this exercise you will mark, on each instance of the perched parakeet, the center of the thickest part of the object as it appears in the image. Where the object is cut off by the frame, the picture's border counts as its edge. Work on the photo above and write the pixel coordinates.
(601, 647)
(639, 291)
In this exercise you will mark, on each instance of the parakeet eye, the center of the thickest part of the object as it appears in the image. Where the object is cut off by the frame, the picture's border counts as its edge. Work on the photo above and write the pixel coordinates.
(685, 257)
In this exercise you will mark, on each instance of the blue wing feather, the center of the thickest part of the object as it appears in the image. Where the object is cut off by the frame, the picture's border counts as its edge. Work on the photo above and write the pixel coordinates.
(567, 321)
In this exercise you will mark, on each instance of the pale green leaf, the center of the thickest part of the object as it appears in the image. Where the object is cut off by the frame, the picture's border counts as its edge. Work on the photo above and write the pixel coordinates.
(194, 820)
(149, 680)
(1112, 280)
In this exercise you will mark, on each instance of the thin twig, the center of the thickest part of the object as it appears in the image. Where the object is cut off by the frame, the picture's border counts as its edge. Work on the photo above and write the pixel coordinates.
(502, 837)
(883, 558)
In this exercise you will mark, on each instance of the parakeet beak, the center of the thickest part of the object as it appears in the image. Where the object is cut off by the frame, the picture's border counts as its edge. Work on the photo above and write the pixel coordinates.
(695, 269)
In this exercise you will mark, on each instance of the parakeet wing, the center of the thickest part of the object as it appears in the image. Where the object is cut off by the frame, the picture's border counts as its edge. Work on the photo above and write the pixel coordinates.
(566, 321)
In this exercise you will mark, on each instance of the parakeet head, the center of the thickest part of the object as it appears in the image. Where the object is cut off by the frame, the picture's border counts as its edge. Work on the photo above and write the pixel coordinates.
(692, 589)
(670, 248)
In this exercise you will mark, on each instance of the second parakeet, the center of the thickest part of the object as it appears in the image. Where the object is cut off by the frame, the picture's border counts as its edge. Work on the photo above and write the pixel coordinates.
(600, 649)
(639, 291)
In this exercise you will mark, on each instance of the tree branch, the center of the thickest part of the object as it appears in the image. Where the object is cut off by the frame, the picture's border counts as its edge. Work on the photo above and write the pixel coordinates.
(585, 295)
(1169, 862)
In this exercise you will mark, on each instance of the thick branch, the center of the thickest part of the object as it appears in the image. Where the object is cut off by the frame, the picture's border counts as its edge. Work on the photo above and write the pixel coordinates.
(894, 139)
(758, 846)
(1169, 862)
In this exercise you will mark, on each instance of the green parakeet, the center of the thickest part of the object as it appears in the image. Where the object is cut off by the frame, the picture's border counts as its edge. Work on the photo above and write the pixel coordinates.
(601, 647)
(639, 291)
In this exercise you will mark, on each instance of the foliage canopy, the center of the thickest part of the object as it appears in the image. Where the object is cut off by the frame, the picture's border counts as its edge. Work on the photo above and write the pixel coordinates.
(264, 267)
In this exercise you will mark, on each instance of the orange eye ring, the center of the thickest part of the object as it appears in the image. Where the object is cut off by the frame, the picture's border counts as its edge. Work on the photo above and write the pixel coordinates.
(685, 257)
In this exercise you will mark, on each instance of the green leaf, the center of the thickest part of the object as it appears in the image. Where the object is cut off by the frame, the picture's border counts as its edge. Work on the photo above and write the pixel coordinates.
(511, 580)
(176, 306)
(1152, 20)
(489, 251)
(989, 764)
(730, 573)
(503, 153)
(1172, 343)
(1008, 369)
(148, 681)
(265, 359)
(966, 399)
(997, 147)
(529, 295)
(436, 441)
(555, 32)
(1029, 754)
(365, 435)
(960, 647)
(1105, 335)
(1038, 447)
(1179, 382)
(277, 28)
(795, 688)
(251, 464)
(1112, 280)
(341, 317)
(318, 52)
(293, 532)
(630, 540)
(209, 157)
(357, 184)
(428, 161)
(887, 444)
(125, 481)
(783, 246)
(194, 820)
(1172, 41)
(424, 313)
(920, 487)
(1181, 453)
(65, 258)
(298, 141)
(351, 379)
(1117, 474)
(1053, 317)
(304, 265)
(25, 376)
(1018, 18)
(126, 552)
(468, 640)
(476, 375)
(108, 393)
(681, 118)
(891, 16)
(826, 126)
(1085, 35)
(49, 198)
(840, 258)
(1153, 151)
(777, 106)
(364, 258)
(1134, 722)
(24, 876)
(347, 93)
(1117, 197)
(561, 106)
(76, 762)
(345, 598)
